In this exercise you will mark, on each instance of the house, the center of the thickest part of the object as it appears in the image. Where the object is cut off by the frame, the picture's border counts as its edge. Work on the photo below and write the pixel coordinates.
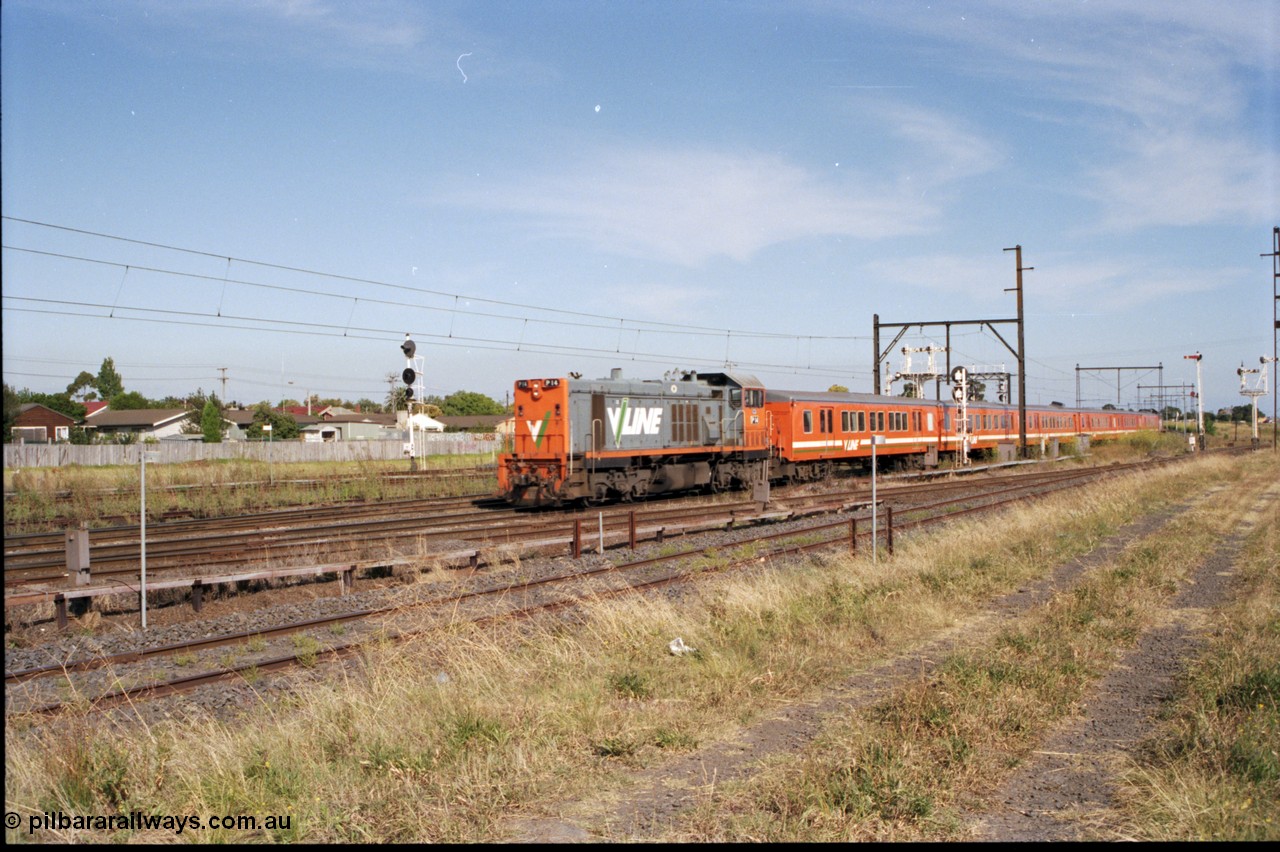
(502, 424)
(353, 427)
(145, 423)
(239, 420)
(95, 406)
(39, 424)
(422, 423)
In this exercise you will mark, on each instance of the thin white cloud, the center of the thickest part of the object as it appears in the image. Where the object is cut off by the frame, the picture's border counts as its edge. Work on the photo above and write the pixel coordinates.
(949, 149)
(656, 301)
(1184, 177)
(980, 279)
(1178, 125)
(686, 206)
(1061, 283)
(1117, 286)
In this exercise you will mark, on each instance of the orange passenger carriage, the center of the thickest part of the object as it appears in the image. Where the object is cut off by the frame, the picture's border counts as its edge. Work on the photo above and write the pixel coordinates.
(815, 430)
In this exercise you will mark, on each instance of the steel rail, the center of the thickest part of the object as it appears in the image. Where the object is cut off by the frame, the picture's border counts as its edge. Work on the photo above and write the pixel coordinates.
(189, 682)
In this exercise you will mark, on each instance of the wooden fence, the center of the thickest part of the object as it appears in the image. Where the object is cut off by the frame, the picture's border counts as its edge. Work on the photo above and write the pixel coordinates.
(17, 456)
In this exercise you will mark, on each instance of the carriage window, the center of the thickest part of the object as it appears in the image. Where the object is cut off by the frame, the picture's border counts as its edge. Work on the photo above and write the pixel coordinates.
(808, 421)
(862, 421)
(826, 421)
(754, 397)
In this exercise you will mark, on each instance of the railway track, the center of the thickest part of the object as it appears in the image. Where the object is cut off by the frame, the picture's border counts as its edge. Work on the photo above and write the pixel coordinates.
(208, 548)
(485, 601)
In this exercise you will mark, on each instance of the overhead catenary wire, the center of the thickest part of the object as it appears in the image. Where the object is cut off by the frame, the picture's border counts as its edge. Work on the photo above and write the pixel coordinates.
(419, 298)
(273, 325)
(672, 326)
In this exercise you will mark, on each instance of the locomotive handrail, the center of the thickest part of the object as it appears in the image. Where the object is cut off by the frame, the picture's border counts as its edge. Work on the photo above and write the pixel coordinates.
(724, 429)
(597, 428)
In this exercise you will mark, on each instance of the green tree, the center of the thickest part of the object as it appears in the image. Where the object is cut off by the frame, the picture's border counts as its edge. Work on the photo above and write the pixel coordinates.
(12, 408)
(194, 403)
(397, 397)
(83, 386)
(109, 383)
(283, 426)
(468, 404)
(368, 406)
(838, 389)
(130, 401)
(211, 422)
(60, 402)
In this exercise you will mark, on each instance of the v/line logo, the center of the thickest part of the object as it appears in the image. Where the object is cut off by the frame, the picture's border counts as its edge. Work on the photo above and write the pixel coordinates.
(624, 420)
(538, 429)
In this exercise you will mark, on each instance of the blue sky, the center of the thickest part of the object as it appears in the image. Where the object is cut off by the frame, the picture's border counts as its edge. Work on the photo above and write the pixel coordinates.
(284, 189)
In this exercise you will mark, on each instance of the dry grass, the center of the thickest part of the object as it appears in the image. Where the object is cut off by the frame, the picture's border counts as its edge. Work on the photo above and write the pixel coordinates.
(38, 496)
(1213, 770)
(442, 739)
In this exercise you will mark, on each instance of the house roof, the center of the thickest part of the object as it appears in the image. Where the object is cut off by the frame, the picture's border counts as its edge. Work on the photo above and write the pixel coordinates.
(489, 421)
(94, 407)
(243, 417)
(32, 406)
(141, 417)
(299, 411)
(378, 419)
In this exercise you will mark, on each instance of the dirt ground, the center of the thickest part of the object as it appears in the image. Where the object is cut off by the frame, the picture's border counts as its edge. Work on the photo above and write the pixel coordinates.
(1062, 793)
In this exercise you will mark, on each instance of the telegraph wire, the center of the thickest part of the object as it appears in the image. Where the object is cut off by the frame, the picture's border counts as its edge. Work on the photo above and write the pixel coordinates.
(687, 328)
(666, 328)
(380, 335)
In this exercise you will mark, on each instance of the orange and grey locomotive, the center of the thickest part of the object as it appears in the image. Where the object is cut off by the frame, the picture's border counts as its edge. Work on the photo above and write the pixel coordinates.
(597, 440)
